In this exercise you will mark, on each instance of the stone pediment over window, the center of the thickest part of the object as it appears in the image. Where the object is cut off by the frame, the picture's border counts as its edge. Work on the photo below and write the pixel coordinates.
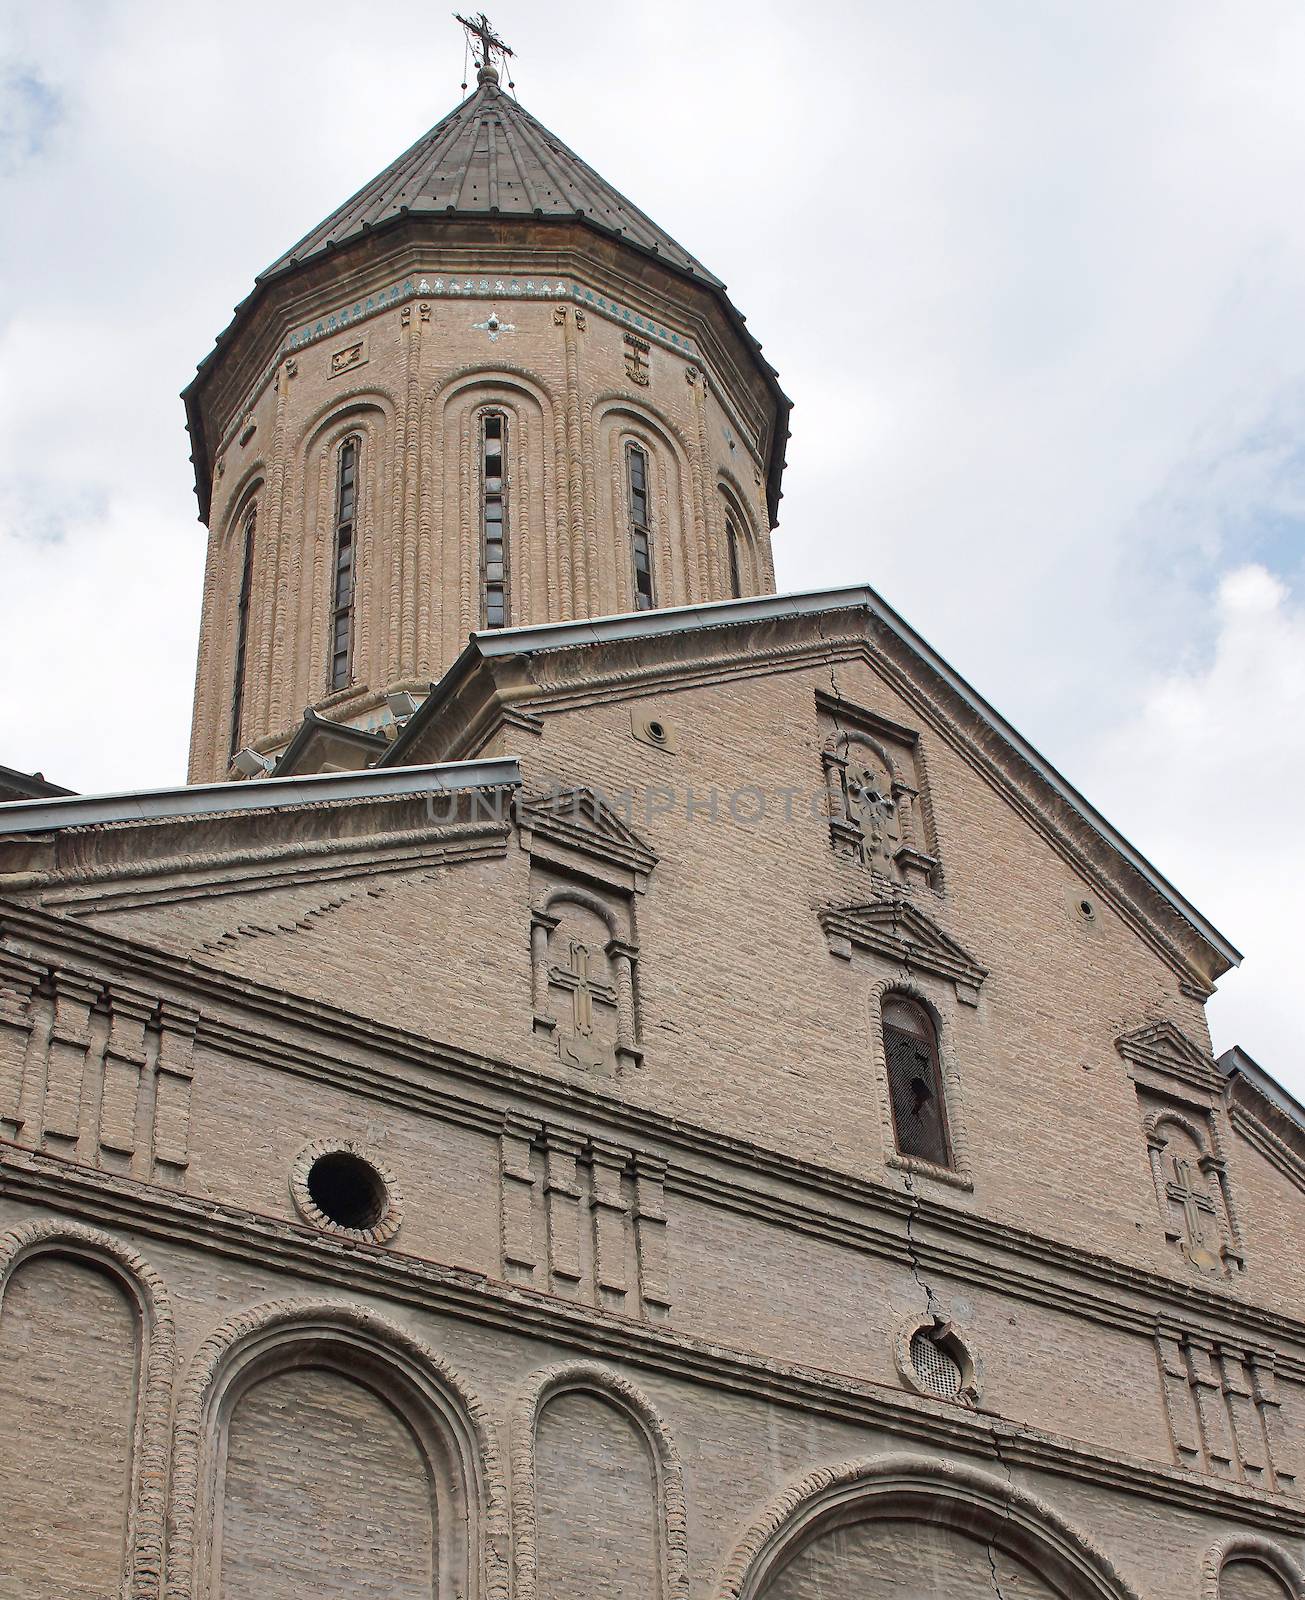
(580, 829)
(895, 928)
(1163, 1051)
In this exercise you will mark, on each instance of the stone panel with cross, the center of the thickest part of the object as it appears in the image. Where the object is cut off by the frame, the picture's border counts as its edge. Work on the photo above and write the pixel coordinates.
(583, 963)
(1190, 1180)
(879, 811)
(587, 870)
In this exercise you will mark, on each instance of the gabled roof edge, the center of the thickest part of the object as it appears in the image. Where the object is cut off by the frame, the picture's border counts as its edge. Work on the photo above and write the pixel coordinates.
(506, 642)
(207, 799)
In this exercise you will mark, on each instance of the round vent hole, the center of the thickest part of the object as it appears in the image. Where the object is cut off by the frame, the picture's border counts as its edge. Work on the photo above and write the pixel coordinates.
(656, 731)
(347, 1190)
(1086, 910)
(937, 1370)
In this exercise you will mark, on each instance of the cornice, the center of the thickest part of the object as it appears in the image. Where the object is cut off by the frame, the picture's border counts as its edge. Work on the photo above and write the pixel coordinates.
(334, 1045)
(187, 1223)
(383, 270)
(1276, 1151)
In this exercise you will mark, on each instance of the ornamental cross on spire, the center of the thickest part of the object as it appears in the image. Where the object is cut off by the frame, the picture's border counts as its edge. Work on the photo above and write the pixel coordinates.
(484, 40)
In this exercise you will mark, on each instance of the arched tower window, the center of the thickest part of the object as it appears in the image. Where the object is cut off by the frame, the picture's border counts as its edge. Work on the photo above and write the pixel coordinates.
(732, 544)
(242, 626)
(636, 466)
(346, 505)
(494, 524)
(915, 1080)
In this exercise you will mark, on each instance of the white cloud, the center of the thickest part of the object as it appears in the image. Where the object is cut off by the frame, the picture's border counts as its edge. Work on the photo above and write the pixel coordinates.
(1210, 774)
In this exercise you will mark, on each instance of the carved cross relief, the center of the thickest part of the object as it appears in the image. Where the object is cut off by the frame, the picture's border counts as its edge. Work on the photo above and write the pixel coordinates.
(585, 977)
(1191, 1200)
(587, 870)
(1190, 1189)
(877, 807)
(636, 360)
(579, 980)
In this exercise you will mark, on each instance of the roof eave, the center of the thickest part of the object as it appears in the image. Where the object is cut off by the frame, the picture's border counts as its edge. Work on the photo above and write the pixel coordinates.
(272, 277)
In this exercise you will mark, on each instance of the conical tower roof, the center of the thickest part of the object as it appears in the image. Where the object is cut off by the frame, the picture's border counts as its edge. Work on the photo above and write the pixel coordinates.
(490, 158)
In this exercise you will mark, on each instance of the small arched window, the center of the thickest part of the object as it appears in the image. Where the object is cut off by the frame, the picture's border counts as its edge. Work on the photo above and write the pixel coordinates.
(346, 506)
(493, 519)
(915, 1080)
(242, 627)
(732, 543)
(636, 467)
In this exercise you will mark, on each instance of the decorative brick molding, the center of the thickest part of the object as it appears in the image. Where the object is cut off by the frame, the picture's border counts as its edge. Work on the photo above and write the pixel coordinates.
(575, 1184)
(157, 1365)
(275, 1329)
(960, 1173)
(266, 1244)
(1164, 1049)
(1254, 1548)
(381, 1231)
(900, 932)
(594, 1378)
(942, 1329)
(925, 1487)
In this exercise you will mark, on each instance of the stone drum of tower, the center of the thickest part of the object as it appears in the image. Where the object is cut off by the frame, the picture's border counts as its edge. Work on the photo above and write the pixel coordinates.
(487, 392)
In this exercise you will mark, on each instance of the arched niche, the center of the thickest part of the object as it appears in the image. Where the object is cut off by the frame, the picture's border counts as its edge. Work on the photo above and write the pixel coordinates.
(1248, 1566)
(87, 1353)
(597, 1491)
(680, 571)
(753, 573)
(876, 1529)
(309, 557)
(538, 565)
(320, 1447)
(223, 586)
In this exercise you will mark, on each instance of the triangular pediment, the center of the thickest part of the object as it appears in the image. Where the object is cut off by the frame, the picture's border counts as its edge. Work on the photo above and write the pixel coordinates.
(546, 669)
(1163, 1047)
(896, 928)
(583, 822)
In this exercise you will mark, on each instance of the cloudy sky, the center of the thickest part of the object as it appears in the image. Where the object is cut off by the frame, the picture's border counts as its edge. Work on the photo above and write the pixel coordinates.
(1033, 271)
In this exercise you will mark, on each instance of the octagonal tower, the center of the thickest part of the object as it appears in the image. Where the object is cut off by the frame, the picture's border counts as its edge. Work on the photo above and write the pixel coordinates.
(488, 391)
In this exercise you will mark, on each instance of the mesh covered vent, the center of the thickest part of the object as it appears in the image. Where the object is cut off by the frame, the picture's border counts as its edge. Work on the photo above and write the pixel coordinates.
(937, 1371)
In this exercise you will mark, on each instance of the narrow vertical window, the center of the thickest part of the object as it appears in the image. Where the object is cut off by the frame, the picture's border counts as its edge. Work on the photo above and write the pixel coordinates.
(732, 541)
(346, 502)
(494, 543)
(242, 627)
(914, 1080)
(640, 544)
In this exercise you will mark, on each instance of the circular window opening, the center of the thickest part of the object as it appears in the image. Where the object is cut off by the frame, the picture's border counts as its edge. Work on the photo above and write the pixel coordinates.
(347, 1190)
(936, 1368)
(656, 731)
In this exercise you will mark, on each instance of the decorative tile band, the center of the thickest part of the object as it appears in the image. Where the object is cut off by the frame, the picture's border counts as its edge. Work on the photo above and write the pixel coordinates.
(476, 286)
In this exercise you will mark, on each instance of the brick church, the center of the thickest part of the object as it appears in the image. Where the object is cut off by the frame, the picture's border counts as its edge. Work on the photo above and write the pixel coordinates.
(609, 1083)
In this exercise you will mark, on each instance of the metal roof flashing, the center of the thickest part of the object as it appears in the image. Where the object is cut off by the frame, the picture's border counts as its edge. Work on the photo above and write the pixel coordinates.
(212, 799)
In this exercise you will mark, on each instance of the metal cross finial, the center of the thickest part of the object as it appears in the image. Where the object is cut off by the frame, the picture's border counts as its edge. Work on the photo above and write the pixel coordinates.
(484, 40)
